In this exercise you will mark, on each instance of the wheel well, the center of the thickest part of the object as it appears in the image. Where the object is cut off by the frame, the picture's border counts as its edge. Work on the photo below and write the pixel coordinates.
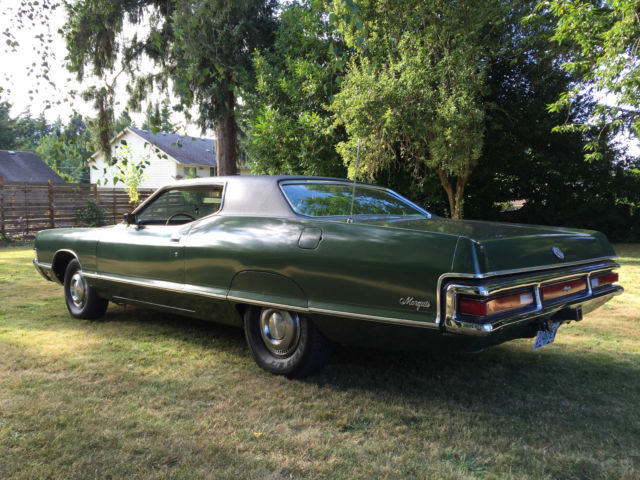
(60, 262)
(242, 308)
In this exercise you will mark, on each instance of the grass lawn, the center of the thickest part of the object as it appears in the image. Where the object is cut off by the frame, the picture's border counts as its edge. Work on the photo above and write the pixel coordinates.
(147, 395)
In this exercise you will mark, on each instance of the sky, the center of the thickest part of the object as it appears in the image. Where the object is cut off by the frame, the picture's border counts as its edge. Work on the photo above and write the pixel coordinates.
(27, 92)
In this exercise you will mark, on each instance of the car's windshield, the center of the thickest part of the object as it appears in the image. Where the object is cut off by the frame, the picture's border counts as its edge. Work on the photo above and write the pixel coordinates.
(181, 205)
(324, 199)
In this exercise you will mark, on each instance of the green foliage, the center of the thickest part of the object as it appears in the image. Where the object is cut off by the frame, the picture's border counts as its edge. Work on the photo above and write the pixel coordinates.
(288, 128)
(203, 49)
(92, 215)
(413, 92)
(603, 37)
(7, 127)
(22, 132)
(67, 149)
(158, 118)
(130, 172)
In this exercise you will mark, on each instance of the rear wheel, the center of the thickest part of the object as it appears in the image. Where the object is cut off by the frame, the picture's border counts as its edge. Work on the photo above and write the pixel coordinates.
(82, 300)
(285, 343)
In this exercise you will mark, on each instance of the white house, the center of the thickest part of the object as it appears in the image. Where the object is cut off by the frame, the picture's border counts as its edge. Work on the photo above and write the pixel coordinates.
(170, 157)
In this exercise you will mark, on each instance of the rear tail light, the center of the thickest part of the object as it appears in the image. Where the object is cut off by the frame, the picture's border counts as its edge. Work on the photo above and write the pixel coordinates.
(563, 288)
(604, 279)
(481, 308)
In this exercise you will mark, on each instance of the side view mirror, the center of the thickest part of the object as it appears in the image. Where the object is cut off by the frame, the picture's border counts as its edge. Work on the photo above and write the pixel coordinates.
(130, 218)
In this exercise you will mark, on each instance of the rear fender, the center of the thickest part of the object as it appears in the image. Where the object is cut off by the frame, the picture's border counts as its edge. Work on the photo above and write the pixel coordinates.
(267, 289)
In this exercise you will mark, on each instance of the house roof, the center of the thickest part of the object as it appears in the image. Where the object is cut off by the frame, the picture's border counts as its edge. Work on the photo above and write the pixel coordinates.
(186, 150)
(25, 167)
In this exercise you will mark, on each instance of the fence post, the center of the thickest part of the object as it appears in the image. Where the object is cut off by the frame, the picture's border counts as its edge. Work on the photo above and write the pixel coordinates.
(26, 207)
(51, 204)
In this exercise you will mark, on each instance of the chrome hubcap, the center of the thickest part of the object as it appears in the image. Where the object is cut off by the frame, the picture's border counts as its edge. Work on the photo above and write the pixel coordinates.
(78, 289)
(280, 331)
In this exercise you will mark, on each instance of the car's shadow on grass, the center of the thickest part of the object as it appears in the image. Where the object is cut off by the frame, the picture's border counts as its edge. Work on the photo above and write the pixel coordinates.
(511, 376)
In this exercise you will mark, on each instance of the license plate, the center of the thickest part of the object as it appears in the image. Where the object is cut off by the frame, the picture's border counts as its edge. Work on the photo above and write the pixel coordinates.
(546, 337)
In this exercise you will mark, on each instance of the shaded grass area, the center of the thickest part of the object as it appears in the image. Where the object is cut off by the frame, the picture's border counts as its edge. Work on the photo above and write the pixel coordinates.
(149, 395)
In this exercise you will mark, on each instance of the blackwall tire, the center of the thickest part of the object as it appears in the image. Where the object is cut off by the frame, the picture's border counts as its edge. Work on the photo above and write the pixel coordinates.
(285, 343)
(82, 300)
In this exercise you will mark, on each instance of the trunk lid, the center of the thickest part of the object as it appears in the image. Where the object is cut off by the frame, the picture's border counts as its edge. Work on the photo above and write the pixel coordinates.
(486, 247)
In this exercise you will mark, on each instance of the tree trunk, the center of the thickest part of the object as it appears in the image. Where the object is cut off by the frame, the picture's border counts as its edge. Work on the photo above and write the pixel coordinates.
(227, 141)
(446, 184)
(455, 194)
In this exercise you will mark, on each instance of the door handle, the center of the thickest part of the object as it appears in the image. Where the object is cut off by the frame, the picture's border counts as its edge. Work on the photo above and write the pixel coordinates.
(175, 238)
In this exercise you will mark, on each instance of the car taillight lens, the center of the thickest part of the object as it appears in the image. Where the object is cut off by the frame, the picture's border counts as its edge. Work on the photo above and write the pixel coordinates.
(604, 279)
(563, 288)
(480, 308)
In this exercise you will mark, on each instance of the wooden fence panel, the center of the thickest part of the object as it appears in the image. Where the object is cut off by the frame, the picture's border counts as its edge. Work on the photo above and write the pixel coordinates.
(26, 208)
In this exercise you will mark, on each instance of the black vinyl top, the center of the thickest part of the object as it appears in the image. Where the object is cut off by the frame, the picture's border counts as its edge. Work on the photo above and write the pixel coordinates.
(25, 167)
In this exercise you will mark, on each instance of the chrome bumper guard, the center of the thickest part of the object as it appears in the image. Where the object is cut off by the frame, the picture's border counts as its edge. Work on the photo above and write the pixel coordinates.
(567, 308)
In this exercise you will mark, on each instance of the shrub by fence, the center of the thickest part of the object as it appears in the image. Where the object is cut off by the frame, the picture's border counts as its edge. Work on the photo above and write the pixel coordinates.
(26, 208)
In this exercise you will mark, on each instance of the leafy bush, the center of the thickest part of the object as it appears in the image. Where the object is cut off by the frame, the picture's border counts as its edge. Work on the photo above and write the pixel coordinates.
(93, 215)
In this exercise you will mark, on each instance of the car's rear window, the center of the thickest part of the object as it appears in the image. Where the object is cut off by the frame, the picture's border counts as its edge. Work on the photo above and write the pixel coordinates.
(323, 199)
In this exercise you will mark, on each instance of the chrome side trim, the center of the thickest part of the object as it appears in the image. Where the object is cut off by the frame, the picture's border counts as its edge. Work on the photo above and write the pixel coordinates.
(374, 318)
(158, 284)
(132, 300)
(260, 303)
(588, 267)
(197, 290)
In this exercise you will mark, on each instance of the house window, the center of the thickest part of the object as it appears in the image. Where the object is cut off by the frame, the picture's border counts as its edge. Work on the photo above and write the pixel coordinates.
(190, 172)
(213, 172)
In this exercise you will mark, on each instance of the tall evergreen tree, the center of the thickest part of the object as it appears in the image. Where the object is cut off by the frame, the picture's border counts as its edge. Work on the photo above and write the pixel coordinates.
(202, 48)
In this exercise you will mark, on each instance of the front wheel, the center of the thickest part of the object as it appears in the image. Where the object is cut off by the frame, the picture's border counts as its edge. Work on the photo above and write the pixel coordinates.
(285, 343)
(82, 300)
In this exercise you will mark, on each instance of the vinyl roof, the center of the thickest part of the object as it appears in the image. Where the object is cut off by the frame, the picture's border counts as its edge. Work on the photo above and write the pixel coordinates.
(25, 167)
(186, 150)
(258, 195)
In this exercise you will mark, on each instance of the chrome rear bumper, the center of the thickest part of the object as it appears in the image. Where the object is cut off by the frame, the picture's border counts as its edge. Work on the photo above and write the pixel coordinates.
(569, 307)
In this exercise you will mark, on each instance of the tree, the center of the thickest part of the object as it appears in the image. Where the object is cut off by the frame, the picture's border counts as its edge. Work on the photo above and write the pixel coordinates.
(413, 94)
(604, 38)
(7, 127)
(123, 121)
(67, 149)
(288, 128)
(129, 173)
(203, 48)
(158, 119)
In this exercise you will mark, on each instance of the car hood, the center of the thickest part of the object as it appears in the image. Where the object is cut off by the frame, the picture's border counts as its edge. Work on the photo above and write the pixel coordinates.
(487, 247)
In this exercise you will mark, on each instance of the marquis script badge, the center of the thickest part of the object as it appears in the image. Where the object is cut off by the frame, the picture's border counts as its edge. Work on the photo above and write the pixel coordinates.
(557, 252)
(412, 302)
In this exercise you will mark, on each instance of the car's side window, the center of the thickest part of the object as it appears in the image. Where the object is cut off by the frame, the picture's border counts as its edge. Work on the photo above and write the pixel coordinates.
(182, 205)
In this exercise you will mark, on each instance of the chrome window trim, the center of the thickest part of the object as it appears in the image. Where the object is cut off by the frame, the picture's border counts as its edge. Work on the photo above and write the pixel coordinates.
(347, 183)
(161, 190)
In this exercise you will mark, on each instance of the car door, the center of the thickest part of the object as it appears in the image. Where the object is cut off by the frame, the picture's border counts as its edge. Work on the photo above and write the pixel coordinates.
(144, 260)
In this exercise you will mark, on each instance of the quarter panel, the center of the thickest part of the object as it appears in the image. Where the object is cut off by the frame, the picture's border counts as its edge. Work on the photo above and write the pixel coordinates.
(356, 269)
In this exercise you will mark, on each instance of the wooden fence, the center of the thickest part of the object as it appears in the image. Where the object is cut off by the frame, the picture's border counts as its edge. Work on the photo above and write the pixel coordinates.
(26, 208)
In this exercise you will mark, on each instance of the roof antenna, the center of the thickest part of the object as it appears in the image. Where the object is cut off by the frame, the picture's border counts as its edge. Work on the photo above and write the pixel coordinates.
(355, 176)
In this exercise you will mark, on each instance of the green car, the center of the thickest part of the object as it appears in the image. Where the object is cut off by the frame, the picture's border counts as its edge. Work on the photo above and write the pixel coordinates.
(304, 263)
